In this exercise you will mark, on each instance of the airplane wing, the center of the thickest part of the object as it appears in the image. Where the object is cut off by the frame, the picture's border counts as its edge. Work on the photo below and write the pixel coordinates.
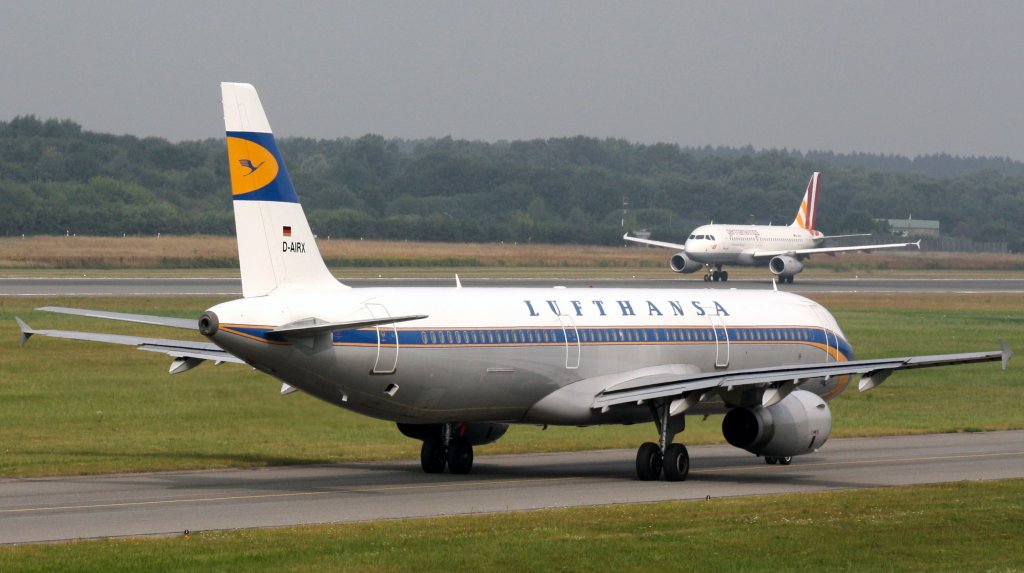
(654, 243)
(827, 250)
(686, 390)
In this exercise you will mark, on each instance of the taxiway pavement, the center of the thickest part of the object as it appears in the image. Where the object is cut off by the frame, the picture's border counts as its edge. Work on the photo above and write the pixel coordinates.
(50, 509)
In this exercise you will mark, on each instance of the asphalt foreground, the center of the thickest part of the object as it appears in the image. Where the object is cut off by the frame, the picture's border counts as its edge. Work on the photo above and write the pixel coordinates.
(53, 509)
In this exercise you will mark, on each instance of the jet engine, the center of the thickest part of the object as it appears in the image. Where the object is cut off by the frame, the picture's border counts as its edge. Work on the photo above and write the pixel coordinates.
(785, 265)
(798, 424)
(476, 433)
(681, 263)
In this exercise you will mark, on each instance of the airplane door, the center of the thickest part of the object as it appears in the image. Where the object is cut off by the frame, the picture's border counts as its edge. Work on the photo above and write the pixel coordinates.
(831, 340)
(572, 341)
(721, 340)
(387, 341)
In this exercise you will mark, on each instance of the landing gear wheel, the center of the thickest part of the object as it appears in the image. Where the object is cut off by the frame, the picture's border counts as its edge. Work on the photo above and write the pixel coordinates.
(707, 278)
(715, 276)
(433, 456)
(460, 456)
(677, 463)
(724, 275)
(781, 460)
(649, 462)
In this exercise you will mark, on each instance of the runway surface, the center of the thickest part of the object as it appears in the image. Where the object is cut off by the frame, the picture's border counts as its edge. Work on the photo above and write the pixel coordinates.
(35, 510)
(231, 287)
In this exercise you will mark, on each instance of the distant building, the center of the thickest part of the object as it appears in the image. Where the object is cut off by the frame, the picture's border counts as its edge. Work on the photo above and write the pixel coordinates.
(913, 227)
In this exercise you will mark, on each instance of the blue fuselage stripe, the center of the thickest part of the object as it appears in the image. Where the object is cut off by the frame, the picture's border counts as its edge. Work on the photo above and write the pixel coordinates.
(501, 337)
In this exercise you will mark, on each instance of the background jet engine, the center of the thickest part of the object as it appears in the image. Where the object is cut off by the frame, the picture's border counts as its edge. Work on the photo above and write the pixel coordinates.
(476, 433)
(681, 263)
(798, 424)
(785, 265)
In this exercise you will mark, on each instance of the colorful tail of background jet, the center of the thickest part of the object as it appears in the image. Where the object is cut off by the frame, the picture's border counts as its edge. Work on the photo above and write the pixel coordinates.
(807, 215)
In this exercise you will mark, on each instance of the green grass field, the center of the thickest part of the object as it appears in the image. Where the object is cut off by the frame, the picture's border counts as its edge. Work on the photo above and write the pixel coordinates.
(72, 407)
(968, 526)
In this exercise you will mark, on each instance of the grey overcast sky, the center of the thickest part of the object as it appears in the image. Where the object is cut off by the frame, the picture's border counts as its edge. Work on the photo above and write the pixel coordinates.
(904, 77)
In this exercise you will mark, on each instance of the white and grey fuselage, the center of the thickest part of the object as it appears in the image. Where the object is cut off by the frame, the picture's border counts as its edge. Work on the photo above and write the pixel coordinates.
(505, 354)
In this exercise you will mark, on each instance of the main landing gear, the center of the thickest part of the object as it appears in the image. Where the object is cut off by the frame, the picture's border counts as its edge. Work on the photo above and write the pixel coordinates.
(716, 275)
(446, 449)
(783, 279)
(664, 458)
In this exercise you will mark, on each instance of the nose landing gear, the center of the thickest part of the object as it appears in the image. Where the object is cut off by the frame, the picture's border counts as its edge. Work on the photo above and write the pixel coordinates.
(716, 275)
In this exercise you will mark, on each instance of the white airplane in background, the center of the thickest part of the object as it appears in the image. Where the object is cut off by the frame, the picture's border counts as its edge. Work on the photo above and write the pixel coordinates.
(781, 248)
(454, 367)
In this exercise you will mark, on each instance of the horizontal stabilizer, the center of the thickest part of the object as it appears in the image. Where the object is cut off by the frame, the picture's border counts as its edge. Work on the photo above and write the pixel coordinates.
(311, 326)
(174, 348)
(186, 323)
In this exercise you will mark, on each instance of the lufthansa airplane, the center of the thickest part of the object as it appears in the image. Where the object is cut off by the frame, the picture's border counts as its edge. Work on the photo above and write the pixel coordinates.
(454, 367)
(783, 249)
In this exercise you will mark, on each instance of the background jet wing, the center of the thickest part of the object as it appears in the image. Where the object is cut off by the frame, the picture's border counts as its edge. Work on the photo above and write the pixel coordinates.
(827, 250)
(654, 243)
(778, 381)
(187, 323)
(178, 349)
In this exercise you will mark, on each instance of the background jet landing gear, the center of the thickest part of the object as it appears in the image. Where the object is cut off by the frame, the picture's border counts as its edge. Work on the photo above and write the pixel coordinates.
(716, 275)
(446, 449)
(782, 461)
(668, 459)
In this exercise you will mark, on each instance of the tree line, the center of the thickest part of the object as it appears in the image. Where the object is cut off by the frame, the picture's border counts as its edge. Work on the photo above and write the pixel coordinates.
(57, 178)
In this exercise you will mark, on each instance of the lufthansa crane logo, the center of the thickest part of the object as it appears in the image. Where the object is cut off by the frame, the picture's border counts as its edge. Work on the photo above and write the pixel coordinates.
(247, 163)
(253, 166)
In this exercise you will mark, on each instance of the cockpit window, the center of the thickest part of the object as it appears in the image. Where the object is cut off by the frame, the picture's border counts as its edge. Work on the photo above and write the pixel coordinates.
(698, 237)
(711, 237)
(693, 236)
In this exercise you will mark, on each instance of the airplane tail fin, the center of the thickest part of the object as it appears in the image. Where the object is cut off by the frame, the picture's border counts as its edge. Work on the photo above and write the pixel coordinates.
(807, 215)
(276, 248)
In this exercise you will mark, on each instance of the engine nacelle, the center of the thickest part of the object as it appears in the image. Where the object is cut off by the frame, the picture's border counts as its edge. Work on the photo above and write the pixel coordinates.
(798, 424)
(476, 433)
(785, 265)
(681, 263)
